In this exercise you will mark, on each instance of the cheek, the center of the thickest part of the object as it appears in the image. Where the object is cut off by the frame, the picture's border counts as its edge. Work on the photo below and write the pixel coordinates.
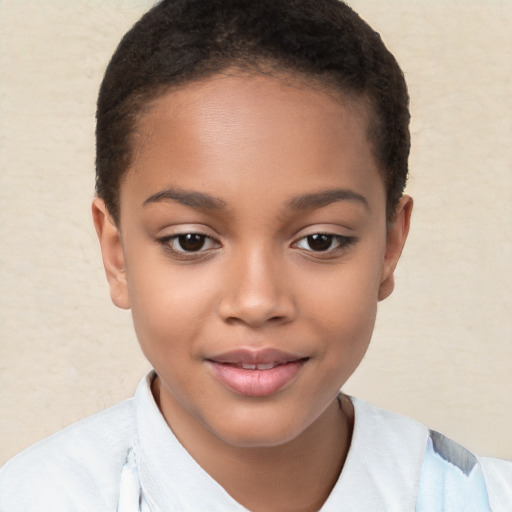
(345, 298)
(346, 329)
(169, 307)
(342, 310)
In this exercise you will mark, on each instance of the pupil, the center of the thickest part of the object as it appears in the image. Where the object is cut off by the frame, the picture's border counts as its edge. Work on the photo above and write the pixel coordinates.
(191, 242)
(319, 242)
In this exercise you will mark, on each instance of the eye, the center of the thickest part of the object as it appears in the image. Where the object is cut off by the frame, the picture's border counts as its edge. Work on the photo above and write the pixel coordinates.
(323, 242)
(189, 242)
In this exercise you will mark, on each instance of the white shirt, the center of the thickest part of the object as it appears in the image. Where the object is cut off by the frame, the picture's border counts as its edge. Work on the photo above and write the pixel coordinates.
(126, 459)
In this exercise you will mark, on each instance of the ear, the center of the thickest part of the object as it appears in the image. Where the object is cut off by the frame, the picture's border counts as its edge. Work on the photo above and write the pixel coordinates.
(112, 253)
(396, 234)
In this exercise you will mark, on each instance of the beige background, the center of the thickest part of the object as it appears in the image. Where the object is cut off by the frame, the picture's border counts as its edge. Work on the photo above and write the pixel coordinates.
(442, 350)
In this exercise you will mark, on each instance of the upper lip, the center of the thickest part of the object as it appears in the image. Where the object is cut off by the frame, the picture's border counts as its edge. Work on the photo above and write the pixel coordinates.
(252, 356)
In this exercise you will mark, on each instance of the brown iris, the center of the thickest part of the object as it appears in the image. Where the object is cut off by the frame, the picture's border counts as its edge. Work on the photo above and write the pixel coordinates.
(191, 242)
(319, 242)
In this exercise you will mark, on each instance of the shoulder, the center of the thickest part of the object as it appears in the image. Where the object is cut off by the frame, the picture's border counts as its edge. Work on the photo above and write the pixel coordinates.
(452, 474)
(498, 477)
(426, 469)
(383, 465)
(75, 469)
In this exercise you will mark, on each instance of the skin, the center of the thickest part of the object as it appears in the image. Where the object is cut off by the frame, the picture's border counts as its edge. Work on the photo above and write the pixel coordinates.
(267, 150)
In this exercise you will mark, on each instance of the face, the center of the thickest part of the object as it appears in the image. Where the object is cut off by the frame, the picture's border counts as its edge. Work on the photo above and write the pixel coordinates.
(252, 249)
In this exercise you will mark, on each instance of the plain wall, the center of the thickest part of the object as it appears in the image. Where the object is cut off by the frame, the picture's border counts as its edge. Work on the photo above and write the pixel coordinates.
(442, 349)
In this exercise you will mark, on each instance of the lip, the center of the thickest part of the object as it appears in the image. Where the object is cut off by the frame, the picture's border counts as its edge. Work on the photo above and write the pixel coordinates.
(256, 373)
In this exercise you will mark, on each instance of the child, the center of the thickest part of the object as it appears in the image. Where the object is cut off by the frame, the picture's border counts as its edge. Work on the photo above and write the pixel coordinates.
(251, 161)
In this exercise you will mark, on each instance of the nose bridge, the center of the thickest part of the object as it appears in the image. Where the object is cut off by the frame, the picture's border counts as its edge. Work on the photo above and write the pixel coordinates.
(256, 291)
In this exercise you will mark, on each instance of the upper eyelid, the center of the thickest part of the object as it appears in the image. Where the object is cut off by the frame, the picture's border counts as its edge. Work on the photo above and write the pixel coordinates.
(300, 235)
(344, 243)
(179, 230)
(330, 231)
(174, 236)
(333, 235)
(327, 227)
(183, 233)
(295, 239)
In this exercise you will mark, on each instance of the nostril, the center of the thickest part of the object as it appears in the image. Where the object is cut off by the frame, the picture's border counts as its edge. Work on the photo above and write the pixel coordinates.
(277, 319)
(255, 315)
(256, 321)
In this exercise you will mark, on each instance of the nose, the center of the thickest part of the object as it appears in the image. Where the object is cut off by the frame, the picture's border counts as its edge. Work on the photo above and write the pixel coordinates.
(256, 291)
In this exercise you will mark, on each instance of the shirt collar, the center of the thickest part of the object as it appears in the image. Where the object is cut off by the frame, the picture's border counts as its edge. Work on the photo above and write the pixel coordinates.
(170, 478)
(381, 472)
(383, 466)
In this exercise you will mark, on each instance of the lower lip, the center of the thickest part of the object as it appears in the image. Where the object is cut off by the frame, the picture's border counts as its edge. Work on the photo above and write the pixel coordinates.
(256, 382)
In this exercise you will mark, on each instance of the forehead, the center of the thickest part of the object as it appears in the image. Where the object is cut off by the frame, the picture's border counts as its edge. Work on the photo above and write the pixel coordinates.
(252, 133)
(240, 102)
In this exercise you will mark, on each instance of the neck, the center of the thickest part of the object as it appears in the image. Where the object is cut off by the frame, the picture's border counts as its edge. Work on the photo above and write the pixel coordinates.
(295, 476)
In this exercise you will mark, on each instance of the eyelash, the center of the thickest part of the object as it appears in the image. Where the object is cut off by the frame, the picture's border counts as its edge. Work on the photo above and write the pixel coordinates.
(341, 241)
(169, 243)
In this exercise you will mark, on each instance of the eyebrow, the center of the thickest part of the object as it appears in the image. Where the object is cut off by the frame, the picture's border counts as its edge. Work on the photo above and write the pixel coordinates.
(325, 198)
(202, 201)
(196, 200)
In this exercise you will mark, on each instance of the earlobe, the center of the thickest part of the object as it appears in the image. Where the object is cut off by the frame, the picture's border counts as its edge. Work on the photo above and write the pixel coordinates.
(112, 253)
(396, 236)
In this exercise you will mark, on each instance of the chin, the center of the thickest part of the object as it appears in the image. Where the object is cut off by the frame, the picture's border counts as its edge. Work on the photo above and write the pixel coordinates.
(260, 432)
(259, 439)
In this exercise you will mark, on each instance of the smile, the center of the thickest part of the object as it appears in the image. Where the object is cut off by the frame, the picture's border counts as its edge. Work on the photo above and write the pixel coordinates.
(262, 366)
(256, 373)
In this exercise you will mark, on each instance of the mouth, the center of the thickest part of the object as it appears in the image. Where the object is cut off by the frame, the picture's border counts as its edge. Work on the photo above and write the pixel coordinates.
(259, 366)
(256, 373)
